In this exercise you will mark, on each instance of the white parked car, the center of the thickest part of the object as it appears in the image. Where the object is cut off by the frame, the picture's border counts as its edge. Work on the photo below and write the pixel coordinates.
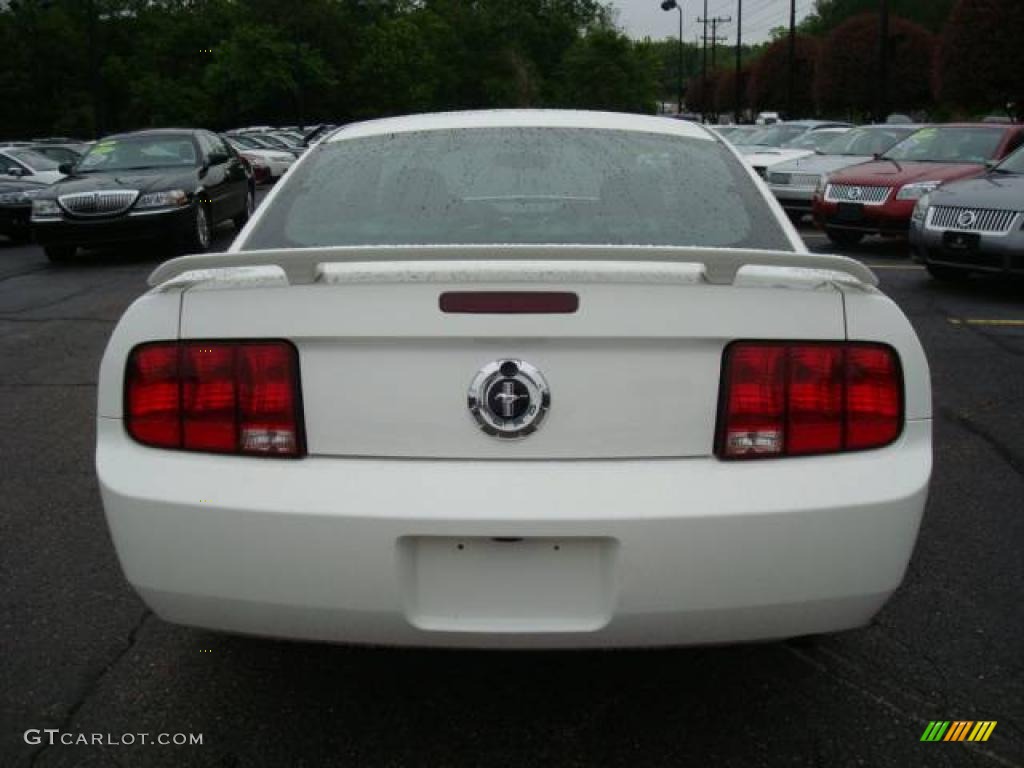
(782, 142)
(25, 163)
(276, 162)
(515, 379)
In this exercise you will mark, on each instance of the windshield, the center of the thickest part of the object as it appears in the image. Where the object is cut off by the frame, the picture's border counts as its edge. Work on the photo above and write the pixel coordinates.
(813, 140)
(948, 145)
(138, 153)
(775, 136)
(866, 141)
(33, 159)
(519, 185)
(242, 141)
(1014, 163)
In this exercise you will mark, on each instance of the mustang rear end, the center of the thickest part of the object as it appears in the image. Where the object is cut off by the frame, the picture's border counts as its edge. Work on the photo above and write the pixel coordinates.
(662, 459)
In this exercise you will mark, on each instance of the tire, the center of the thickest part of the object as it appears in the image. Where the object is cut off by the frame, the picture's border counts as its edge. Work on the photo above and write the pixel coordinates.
(250, 205)
(20, 236)
(947, 274)
(197, 239)
(60, 254)
(844, 236)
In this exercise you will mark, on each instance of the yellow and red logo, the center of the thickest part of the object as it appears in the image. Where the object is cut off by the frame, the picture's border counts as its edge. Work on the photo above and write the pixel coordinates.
(958, 730)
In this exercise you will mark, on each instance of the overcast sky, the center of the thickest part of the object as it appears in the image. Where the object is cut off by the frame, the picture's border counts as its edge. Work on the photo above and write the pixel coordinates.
(644, 18)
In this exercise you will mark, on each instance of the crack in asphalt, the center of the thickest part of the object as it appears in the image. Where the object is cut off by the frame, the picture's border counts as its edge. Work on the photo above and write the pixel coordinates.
(92, 687)
(1015, 462)
(24, 272)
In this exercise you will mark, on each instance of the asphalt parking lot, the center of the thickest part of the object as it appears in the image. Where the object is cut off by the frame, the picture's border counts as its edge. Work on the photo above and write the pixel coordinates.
(80, 653)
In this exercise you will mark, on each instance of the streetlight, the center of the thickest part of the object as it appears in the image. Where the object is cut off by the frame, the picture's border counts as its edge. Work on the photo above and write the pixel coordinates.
(668, 5)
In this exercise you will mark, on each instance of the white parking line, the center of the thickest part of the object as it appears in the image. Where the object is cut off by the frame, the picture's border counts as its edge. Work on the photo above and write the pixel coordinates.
(980, 321)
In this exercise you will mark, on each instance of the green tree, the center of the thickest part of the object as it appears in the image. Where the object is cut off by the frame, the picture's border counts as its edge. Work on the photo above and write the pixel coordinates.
(606, 70)
(256, 74)
(829, 14)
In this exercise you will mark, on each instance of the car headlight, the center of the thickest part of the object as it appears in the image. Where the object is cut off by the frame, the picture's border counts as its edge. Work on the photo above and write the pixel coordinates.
(45, 209)
(921, 209)
(916, 190)
(172, 198)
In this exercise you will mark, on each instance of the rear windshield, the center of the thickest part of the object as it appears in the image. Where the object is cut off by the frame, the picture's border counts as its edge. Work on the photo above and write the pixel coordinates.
(33, 159)
(519, 185)
(949, 145)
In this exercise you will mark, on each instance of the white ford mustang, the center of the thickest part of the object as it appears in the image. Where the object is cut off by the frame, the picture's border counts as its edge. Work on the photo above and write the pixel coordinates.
(515, 379)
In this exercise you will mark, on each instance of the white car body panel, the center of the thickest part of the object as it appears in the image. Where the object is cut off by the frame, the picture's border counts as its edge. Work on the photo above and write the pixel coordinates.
(612, 525)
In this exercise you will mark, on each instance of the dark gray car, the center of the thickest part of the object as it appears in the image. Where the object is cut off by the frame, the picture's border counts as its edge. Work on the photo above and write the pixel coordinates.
(976, 225)
(793, 182)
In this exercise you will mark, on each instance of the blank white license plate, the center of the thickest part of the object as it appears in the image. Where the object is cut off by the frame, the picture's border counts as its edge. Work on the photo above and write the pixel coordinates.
(518, 585)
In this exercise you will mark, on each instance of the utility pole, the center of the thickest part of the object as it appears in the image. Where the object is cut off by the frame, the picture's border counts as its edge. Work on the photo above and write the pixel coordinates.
(882, 108)
(715, 39)
(704, 65)
(739, 48)
(791, 91)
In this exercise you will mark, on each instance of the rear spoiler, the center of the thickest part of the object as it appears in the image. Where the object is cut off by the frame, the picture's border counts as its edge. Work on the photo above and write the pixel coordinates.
(562, 263)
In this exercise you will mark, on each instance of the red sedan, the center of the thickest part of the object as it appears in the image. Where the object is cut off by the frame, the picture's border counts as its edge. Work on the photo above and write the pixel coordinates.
(877, 197)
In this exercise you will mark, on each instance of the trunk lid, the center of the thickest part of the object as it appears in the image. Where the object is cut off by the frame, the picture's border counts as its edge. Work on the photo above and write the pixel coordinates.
(633, 372)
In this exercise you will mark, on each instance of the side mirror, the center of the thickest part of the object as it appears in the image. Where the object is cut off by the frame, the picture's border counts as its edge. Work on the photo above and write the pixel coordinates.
(217, 158)
(65, 168)
(990, 164)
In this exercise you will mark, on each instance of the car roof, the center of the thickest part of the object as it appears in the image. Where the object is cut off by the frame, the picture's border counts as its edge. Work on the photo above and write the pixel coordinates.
(522, 118)
(153, 132)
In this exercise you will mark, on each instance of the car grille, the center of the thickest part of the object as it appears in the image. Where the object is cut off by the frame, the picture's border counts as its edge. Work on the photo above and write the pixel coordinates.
(853, 193)
(794, 179)
(983, 220)
(104, 203)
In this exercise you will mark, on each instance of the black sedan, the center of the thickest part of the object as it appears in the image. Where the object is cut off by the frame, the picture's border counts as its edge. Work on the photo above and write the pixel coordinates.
(16, 206)
(975, 225)
(171, 185)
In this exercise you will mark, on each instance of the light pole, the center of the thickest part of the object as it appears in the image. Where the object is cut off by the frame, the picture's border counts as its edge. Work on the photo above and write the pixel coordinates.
(668, 5)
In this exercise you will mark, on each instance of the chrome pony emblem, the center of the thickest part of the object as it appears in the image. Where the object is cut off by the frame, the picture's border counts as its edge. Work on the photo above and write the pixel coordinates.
(509, 398)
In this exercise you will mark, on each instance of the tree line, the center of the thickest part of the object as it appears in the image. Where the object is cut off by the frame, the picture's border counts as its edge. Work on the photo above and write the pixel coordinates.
(947, 58)
(89, 67)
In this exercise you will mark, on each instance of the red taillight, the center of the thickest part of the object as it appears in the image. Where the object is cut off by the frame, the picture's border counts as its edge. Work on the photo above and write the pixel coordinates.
(223, 397)
(799, 399)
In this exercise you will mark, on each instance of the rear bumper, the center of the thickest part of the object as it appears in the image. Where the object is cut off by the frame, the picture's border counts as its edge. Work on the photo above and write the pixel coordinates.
(1003, 254)
(119, 229)
(610, 553)
(891, 218)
